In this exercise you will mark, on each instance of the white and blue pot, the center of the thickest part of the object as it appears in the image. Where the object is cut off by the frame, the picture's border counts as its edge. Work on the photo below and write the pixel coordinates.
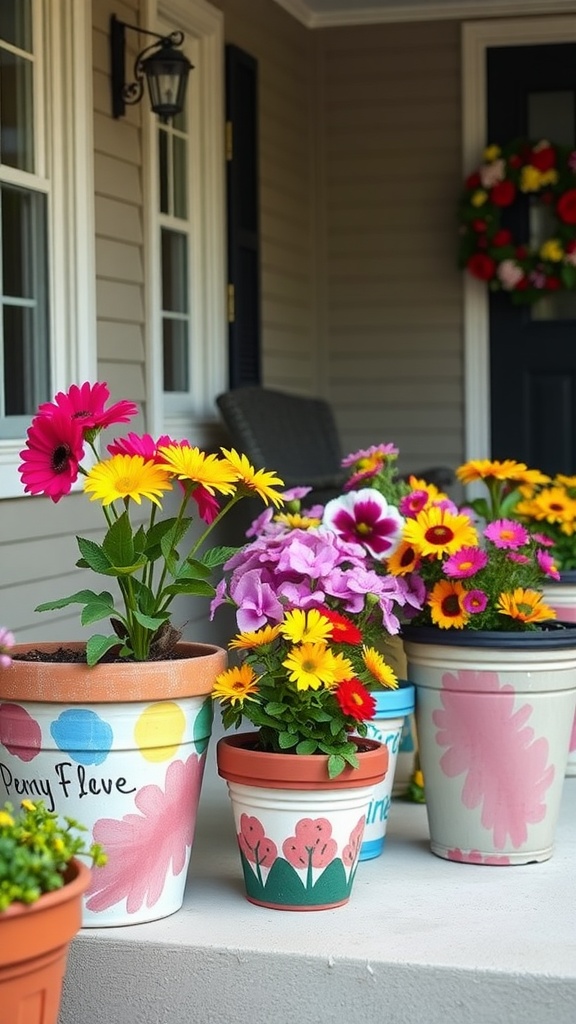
(392, 708)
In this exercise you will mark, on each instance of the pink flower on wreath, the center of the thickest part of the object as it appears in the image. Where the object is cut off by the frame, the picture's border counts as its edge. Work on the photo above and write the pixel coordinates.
(505, 533)
(351, 851)
(509, 273)
(254, 843)
(491, 174)
(312, 845)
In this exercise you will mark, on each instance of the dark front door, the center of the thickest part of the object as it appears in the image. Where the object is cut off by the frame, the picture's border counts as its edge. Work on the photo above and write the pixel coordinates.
(532, 94)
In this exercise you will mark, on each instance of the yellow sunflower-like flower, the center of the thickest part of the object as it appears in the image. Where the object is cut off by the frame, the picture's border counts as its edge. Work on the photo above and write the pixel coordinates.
(551, 504)
(492, 153)
(378, 668)
(301, 626)
(258, 481)
(254, 638)
(552, 250)
(437, 532)
(236, 684)
(479, 197)
(486, 469)
(197, 467)
(525, 605)
(405, 559)
(127, 476)
(296, 521)
(445, 605)
(312, 666)
(6, 820)
(28, 805)
(433, 492)
(530, 179)
(565, 481)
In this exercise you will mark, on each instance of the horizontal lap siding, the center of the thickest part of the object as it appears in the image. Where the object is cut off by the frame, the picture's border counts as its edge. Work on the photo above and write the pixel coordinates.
(390, 173)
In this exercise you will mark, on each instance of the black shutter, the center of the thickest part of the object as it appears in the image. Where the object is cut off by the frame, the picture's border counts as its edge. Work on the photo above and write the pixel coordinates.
(243, 221)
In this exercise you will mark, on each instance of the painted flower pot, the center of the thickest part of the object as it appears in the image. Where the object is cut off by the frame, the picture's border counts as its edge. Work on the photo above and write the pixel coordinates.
(34, 942)
(299, 833)
(120, 747)
(494, 714)
(392, 708)
(561, 597)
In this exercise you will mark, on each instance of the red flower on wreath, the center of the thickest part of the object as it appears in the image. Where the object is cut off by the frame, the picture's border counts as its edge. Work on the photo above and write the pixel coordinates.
(481, 266)
(503, 194)
(502, 237)
(566, 207)
(543, 159)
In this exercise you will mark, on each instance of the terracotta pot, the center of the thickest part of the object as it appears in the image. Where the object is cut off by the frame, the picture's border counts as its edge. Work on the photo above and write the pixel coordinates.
(34, 943)
(120, 747)
(299, 833)
(494, 714)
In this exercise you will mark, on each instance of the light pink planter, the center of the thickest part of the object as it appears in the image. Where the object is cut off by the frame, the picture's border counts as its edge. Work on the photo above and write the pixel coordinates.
(494, 730)
(562, 598)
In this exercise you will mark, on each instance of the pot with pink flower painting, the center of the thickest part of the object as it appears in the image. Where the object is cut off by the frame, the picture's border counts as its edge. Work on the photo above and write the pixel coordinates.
(561, 596)
(299, 832)
(494, 712)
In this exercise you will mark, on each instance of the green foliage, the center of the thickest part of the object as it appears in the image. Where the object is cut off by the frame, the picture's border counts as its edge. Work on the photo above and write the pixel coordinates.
(36, 847)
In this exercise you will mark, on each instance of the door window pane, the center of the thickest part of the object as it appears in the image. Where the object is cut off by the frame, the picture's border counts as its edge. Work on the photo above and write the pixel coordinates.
(175, 354)
(174, 271)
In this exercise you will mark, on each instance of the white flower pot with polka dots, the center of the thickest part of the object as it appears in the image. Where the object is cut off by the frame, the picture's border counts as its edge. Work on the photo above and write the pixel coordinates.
(120, 747)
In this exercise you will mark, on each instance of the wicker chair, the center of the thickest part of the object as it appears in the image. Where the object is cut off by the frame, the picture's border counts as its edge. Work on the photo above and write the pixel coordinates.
(295, 436)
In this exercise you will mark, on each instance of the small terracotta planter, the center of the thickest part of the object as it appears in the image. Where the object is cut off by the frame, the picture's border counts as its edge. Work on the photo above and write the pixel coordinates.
(299, 832)
(120, 746)
(34, 942)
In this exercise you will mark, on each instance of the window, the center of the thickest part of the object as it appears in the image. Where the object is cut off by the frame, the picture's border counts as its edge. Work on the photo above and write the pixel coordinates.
(47, 332)
(186, 233)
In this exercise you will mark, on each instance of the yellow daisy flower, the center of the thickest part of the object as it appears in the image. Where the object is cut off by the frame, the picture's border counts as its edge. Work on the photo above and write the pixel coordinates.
(478, 198)
(296, 521)
(404, 560)
(6, 820)
(312, 666)
(530, 179)
(258, 481)
(236, 684)
(437, 532)
(379, 668)
(445, 605)
(127, 476)
(492, 153)
(311, 627)
(554, 505)
(525, 605)
(552, 250)
(28, 805)
(254, 638)
(419, 484)
(565, 481)
(194, 465)
(485, 469)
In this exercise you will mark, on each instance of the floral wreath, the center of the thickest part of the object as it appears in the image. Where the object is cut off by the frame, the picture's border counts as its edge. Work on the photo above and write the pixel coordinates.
(489, 251)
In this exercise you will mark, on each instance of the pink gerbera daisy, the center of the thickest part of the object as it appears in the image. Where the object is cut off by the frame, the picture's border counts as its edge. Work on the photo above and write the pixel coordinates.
(51, 456)
(85, 403)
(381, 451)
(139, 444)
(465, 562)
(413, 503)
(505, 533)
(474, 601)
(547, 564)
(208, 507)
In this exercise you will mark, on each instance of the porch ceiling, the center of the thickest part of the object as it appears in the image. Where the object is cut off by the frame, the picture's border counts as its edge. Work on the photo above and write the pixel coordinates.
(326, 13)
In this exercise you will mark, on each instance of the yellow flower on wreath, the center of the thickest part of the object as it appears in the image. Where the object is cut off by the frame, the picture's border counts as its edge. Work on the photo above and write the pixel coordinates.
(552, 250)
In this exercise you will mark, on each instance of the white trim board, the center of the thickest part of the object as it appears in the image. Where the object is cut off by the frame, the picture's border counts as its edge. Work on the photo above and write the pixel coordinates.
(476, 38)
(331, 13)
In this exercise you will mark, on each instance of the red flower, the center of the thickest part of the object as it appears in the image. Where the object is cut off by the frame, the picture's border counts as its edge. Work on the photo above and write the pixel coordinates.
(479, 225)
(566, 207)
(515, 161)
(552, 284)
(522, 284)
(521, 252)
(355, 700)
(502, 237)
(543, 159)
(481, 266)
(503, 194)
(344, 631)
(473, 180)
(571, 246)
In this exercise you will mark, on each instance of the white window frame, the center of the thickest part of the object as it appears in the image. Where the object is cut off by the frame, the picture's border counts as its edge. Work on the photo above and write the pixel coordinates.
(64, 144)
(191, 415)
(477, 37)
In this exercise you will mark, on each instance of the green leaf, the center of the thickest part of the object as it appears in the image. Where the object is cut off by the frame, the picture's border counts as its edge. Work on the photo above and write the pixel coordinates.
(97, 647)
(276, 709)
(93, 556)
(101, 608)
(217, 556)
(336, 765)
(197, 587)
(193, 569)
(306, 747)
(150, 622)
(286, 740)
(118, 544)
(80, 597)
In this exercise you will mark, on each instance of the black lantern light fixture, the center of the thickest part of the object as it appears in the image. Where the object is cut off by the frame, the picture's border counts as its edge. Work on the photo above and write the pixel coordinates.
(164, 66)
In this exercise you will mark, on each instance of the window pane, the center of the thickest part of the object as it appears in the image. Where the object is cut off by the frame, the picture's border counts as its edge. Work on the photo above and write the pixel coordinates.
(174, 271)
(24, 297)
(180, 189)
(15, 23)
(163, 169)
(16, 112)
(175, 352)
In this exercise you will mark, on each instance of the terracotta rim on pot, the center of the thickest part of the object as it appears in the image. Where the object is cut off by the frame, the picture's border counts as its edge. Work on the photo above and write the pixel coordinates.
(109, 682)
(553, 635)
(239, 762)
(49, 923)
